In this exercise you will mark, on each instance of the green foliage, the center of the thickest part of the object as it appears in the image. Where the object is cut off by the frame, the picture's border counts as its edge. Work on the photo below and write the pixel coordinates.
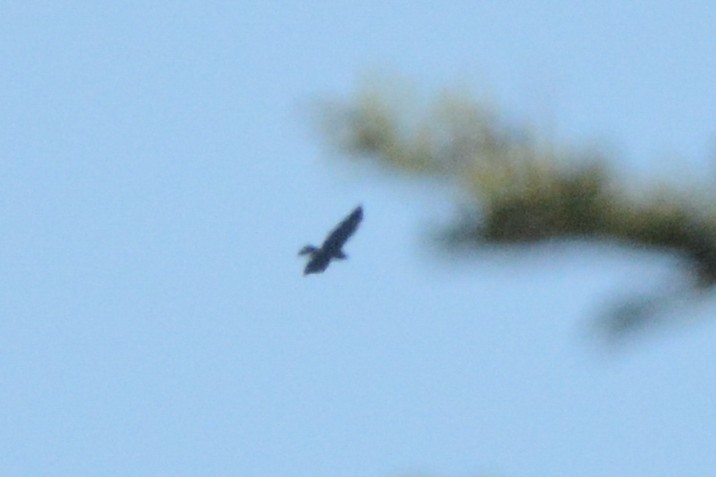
(526, 189)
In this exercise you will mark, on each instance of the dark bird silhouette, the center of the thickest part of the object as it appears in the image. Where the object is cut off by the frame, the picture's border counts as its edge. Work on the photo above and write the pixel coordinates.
(332, 246)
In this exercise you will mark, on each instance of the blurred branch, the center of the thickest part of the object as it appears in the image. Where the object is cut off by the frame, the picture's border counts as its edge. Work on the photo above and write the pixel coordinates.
(525, 189)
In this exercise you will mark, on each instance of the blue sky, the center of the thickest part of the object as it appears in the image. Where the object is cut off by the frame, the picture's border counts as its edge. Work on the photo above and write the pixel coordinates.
(160, 171)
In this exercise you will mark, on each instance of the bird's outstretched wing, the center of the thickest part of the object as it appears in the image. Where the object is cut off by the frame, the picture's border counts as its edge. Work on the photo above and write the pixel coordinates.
(343, 231)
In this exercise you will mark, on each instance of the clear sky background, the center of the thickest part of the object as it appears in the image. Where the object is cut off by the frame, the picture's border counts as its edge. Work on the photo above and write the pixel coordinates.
(159, 171)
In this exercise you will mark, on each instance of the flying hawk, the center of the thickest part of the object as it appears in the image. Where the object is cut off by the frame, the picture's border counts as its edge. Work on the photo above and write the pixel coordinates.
(332, 246)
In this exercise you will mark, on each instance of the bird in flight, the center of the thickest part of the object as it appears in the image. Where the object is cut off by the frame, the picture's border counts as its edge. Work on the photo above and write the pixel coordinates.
(320, 257)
